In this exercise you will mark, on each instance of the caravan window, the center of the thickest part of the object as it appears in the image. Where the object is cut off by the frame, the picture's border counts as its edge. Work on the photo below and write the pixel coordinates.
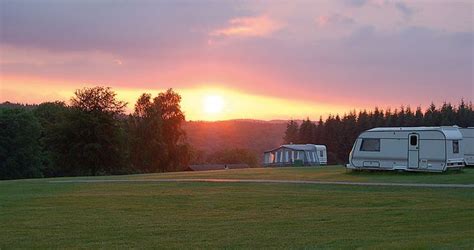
(321, 153)
(413, 140)
(456, 147)
(370, 145)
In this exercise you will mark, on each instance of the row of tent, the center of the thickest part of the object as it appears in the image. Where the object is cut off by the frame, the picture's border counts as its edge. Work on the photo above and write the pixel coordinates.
(429, 149)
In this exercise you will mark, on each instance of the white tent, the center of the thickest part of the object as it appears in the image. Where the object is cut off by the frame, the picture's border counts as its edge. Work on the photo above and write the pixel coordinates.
(290, 154)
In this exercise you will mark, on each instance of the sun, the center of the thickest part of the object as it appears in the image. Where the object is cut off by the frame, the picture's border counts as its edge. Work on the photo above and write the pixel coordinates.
(213, 104)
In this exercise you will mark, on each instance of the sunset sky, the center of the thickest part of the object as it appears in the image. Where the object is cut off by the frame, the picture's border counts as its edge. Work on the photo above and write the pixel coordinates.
(242, 59)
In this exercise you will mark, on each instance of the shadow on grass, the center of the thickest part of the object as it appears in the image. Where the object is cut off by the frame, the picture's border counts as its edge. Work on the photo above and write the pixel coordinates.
(450, 172)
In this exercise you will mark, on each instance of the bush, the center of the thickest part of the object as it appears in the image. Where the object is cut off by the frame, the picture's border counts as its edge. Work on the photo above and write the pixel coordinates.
(20, 153)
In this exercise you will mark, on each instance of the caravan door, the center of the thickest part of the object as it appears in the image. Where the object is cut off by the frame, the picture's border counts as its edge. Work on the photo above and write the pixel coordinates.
(413, 150)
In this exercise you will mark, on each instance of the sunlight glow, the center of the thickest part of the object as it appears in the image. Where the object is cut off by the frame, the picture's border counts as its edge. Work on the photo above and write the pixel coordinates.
(204, 103)
(213, 104)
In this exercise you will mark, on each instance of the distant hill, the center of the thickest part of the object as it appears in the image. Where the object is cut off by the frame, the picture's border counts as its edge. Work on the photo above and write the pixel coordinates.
(209, 137)
(254, 135)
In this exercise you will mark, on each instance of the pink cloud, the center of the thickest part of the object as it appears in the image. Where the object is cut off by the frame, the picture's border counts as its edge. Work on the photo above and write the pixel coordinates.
(259, 26)
(334, 19)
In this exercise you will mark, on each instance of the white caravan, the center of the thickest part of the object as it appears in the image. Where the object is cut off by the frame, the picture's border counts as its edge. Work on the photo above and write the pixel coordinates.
(296, 154)
(468, 145)
(430, 149)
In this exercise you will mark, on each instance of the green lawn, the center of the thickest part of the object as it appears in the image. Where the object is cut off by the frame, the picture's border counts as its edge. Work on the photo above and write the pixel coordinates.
(41, 214)
(329, 173)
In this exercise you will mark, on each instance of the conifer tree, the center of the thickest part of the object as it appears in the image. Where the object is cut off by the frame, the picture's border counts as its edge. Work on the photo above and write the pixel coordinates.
(291, 133)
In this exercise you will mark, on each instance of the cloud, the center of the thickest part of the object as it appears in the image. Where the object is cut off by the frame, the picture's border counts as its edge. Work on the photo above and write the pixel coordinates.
(400, 6)
(334, 26)
(404, 9)
(355, 3)
(260, 26)
(338, 19)
(371, 65)
(323, 52)
(145, 28)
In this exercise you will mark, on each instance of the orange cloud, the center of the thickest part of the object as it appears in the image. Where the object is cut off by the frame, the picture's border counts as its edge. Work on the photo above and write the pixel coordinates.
(249, 27)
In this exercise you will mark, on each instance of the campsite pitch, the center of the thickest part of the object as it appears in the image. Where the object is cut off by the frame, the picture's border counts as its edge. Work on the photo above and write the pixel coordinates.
(44, 214)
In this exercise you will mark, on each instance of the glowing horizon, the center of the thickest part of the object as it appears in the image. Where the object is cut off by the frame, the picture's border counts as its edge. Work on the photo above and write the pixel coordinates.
(235, 105)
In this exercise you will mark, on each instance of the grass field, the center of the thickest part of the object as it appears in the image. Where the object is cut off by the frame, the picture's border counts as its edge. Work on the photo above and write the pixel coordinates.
(41, 214)
(329, 173)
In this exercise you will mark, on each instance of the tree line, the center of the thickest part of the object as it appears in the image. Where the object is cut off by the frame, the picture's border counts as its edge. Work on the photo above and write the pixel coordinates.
(93, 136)
(338, 133)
